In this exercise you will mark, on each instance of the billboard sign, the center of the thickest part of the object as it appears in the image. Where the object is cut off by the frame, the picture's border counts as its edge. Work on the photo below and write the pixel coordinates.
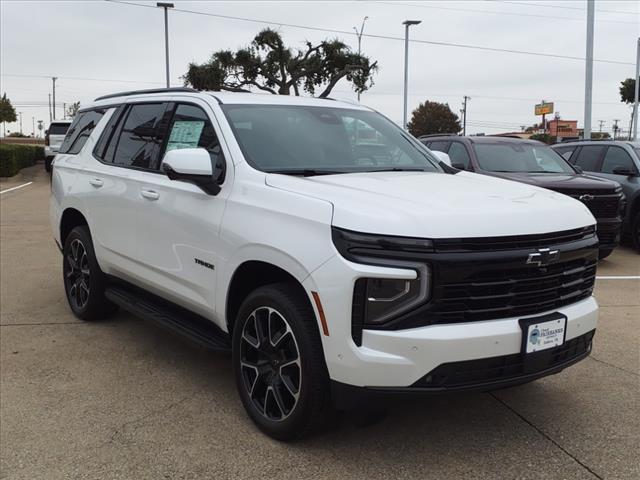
(544, 108)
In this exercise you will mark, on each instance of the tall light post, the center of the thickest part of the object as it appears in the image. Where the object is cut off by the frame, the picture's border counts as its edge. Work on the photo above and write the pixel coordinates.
(54, 96)
(166, 7)
(635, 99)
(407, 24)
(20, 113)
(359, 35)
(588, 76)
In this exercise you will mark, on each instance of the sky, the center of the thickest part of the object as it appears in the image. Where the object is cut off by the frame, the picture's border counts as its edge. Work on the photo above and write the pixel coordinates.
(99, 47)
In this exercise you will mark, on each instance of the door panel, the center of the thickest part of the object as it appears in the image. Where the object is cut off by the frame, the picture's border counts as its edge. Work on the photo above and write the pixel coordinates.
(179, 224)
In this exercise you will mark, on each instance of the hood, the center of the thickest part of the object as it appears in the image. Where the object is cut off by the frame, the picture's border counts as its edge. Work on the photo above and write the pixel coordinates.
(563, 182)
(438, 205)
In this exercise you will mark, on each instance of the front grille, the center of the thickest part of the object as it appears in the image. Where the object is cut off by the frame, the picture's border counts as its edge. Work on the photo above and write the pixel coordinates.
(605, 207)
(509, 367)
(608, 236)
(498, 293)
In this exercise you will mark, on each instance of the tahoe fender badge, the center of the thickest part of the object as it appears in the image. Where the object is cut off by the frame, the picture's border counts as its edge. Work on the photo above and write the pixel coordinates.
(204, 264)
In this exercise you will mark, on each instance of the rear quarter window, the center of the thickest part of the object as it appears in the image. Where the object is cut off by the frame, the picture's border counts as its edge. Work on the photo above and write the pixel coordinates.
(80, 130)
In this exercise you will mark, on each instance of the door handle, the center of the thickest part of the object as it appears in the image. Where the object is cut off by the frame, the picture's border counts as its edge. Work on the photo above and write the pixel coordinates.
(150, 194)
(96, 182)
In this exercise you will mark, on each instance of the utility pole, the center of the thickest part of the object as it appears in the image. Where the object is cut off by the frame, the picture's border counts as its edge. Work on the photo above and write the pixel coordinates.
(33, 126)
(407, 24)
(166, 7)
(635, 98)
(359, 35)
(50, 118)
(64, 111)
(464, 115)
(20, 114)
(601, 122)
(588, 77)
(54, 96)
(615, 127)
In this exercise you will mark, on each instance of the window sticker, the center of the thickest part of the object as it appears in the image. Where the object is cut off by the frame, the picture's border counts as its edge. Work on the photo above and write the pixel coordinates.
(185, 134)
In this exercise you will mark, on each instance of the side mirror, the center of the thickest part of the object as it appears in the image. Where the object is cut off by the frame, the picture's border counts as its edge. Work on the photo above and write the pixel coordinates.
(627, 172)
(192, 165)
(443, 157)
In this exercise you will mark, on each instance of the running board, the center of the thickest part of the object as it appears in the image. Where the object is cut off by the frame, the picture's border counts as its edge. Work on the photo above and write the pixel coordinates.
(172, 317)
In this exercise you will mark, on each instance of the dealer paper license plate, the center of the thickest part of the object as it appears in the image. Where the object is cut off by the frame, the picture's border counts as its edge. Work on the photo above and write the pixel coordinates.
(543, 335)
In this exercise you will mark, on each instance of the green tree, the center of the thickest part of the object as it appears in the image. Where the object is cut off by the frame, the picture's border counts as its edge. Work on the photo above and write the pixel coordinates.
(268, 65)
(72, 110)
(7, 112)
(627, 90)
(433, 117)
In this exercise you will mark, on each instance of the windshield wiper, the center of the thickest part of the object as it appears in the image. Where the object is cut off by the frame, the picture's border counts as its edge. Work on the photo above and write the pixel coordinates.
(398, 169)
(306, 172)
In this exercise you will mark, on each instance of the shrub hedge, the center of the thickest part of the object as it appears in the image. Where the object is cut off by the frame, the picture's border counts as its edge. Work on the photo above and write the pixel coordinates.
(15, 157)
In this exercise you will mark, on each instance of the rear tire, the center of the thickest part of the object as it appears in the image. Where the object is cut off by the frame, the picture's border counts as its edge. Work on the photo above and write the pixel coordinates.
(635, 231)
(604, 253)
(47, 164)
(84, 282)
(279, 363)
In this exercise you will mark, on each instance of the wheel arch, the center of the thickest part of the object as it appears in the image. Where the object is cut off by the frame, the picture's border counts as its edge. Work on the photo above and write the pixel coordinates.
(253, 274)
(70, 219)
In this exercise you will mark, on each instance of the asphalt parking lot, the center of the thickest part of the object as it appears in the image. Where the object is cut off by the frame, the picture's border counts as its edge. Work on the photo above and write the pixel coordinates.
(124, 399)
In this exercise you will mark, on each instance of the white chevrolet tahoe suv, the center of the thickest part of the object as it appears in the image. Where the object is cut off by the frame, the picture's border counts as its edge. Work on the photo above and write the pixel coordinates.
(328, 250)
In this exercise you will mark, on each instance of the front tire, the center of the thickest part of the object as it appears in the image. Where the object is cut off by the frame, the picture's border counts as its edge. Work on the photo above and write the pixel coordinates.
(604, 253)
(279, 364)
(84, 282)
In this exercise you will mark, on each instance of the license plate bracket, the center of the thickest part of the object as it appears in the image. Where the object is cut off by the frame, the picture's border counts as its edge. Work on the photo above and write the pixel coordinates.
(539, 335)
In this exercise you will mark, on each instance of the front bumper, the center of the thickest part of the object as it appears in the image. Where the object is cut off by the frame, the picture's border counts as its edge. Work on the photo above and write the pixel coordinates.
(608, 231)
(399, 358)
(473, 375)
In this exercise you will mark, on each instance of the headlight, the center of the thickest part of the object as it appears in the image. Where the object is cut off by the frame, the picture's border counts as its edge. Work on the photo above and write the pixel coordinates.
(378, 300)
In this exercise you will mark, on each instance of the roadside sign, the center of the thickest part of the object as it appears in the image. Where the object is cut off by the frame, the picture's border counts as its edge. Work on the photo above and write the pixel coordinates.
(544, 108)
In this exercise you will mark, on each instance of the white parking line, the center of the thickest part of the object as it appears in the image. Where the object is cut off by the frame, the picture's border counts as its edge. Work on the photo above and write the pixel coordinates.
(618, 277)
(15, 188)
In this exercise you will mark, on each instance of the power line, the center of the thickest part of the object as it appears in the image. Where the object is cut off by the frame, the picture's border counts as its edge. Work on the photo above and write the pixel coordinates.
(382, 37)
(513, 14)
(80, 78)
(530, 4)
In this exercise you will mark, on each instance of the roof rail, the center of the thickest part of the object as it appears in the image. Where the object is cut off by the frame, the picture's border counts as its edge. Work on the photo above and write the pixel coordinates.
(438, 135)
(151, 90)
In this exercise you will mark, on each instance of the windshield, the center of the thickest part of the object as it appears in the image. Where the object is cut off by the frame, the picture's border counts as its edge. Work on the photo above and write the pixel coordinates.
(520, 157)
(304, 140)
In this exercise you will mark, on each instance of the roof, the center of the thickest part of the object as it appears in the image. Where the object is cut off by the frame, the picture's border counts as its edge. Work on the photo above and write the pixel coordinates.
(600, 142)
(234, 98)
(484, 139)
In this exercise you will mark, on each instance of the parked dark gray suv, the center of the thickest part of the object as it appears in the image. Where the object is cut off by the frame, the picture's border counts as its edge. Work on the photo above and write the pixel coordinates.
(533, 162)
(613, 160)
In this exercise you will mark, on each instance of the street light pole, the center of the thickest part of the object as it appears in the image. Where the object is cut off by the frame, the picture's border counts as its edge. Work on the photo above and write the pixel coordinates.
(359, 35)
(588, 77)
(407, 24)
(54, 96)
(166, 7)
(20, 113)
(464, 116)
(635, 98)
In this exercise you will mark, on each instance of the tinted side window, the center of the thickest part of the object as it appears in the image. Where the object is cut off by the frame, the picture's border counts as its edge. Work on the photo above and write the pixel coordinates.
(458, 155)
(588, 158)
(107, 137)
(80, 130)
(439, 146)
(616, 157)
(141, 137)
(191, 128)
